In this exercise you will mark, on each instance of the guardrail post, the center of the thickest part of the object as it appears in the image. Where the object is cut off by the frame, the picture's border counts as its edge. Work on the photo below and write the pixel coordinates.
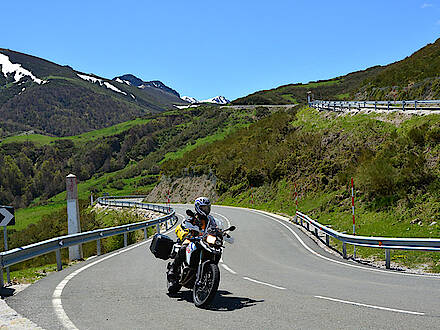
(98, 247)
(403, 105)
(125, 239)
(316, 232)
(415, 105)
(308, 226)
(327, 240)
(388, 105)
(344, 250)
(58, 255)
(145, 233)
(387, 258)
(2, 284)
(375, 105)
(158, 228)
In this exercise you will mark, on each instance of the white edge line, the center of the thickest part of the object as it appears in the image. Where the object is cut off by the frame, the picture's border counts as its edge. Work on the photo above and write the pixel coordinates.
(228, 269)
(272, 216)
(371, 306)
(264, 283)
(56, 296)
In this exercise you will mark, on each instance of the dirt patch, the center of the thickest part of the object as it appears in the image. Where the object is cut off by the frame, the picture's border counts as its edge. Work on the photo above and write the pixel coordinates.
(184, 190)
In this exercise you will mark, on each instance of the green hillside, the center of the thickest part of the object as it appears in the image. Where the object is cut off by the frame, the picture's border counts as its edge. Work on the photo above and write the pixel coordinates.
(339, 88)
(394, 161)
(33, 167)
(415, 77)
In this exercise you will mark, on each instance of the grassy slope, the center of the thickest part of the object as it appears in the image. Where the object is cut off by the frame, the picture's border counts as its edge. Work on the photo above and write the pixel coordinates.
(325, 89)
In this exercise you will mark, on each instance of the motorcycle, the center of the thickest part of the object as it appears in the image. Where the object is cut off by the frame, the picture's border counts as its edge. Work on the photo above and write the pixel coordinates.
(200, 271)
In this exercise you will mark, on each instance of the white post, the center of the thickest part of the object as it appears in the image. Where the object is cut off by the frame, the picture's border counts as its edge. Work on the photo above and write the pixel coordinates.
(73, 224)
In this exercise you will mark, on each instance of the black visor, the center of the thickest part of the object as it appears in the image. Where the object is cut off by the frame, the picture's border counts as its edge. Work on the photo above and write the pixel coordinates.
(205, 208)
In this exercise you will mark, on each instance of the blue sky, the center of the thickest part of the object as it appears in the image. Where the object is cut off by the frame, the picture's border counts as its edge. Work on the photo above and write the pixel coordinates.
(231, 48)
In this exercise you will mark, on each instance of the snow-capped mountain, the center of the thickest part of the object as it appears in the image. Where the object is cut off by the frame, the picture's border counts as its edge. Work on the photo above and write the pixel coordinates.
(189, 99)
(132, 80)
(217, 100)
(48, 98)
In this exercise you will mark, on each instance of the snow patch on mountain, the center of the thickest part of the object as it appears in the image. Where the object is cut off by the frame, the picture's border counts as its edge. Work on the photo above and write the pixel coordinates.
(189, 99)
(102, 83)
(19, 72)
(217, 100)
(123, 81)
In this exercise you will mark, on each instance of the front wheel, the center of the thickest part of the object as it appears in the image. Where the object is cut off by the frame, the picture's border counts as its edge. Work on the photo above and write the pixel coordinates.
(204, 291)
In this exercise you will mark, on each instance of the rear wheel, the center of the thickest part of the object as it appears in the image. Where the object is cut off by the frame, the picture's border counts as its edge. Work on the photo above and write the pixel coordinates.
(204, 291)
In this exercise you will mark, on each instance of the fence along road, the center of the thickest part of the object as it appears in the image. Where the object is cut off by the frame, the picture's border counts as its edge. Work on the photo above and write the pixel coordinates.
(273, 276)
(413, 106)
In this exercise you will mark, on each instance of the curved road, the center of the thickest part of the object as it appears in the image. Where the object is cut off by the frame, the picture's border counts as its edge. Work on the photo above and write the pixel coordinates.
(273, 276)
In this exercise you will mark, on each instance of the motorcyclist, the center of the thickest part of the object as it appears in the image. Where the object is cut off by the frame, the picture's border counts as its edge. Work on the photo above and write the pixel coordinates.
(194, 226)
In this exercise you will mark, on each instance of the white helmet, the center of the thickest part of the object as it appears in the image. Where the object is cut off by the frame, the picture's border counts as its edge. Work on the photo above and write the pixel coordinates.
(203, 206)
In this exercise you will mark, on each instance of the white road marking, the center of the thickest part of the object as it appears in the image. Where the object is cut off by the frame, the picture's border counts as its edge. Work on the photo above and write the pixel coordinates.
(264, 283)
(221, 215)
(340, 262)
(371, 306)
(56, 296)
(228, 269)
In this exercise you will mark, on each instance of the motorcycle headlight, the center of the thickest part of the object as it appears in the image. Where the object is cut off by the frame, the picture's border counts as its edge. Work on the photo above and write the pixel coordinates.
(211, 239)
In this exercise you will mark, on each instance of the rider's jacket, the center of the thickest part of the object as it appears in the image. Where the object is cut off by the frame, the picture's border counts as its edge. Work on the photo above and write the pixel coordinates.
(189, 225)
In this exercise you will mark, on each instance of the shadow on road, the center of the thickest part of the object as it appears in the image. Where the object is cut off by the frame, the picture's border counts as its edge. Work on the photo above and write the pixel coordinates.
(6, 292)
(223, 301)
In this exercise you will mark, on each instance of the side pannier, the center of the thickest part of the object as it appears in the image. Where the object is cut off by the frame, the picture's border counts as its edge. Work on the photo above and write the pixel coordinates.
(161, 246)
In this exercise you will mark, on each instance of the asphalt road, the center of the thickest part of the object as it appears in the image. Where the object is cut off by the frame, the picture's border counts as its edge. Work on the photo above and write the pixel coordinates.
(273, 276)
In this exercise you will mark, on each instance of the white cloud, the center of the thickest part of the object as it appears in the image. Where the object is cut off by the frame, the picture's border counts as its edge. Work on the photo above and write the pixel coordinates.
(426, 5)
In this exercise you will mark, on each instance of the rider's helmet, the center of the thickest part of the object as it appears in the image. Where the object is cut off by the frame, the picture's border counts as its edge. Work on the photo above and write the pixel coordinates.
(203, 206)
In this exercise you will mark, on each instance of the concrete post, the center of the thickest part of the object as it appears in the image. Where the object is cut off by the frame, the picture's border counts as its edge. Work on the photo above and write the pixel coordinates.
(73, 223)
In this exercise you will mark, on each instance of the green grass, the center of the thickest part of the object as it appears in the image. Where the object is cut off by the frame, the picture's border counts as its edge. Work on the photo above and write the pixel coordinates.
(289, 98)
(208, 139)
(343, 96)
(108, 131)
(39, 139)
(30, 275)
(24, 217)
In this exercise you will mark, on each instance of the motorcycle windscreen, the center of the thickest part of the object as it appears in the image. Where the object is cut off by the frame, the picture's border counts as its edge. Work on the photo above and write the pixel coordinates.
(220, 223)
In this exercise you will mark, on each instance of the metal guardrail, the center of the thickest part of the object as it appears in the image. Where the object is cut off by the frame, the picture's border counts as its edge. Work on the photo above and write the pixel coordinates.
(414, 105)
(20, 254)
(387, 243)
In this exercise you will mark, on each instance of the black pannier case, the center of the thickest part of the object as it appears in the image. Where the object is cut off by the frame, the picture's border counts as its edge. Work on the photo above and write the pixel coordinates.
(161, 246)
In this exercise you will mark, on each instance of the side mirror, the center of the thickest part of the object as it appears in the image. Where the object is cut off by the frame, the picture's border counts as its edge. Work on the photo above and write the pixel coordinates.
(232, 228)
(190, 213)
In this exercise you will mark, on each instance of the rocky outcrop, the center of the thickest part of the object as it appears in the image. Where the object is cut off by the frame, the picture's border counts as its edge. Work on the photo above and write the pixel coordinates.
(184, 190)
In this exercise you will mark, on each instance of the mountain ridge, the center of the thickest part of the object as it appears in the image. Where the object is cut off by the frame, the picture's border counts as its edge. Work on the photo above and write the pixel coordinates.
(417, 76)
